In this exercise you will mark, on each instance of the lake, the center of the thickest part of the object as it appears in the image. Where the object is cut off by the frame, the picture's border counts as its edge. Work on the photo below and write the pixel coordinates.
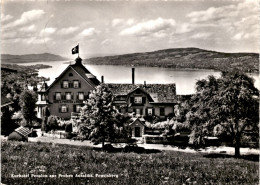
(184, 79)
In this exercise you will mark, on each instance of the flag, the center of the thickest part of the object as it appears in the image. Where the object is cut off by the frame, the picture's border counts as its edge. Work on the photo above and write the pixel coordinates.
(75, 50)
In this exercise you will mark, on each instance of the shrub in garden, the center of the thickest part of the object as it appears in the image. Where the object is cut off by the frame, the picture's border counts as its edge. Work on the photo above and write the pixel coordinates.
(14, 136)
(52, 123)
(68, 127)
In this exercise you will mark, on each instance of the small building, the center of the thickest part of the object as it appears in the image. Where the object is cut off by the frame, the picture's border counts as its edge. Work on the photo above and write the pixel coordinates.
(19, 134)
(138, 127)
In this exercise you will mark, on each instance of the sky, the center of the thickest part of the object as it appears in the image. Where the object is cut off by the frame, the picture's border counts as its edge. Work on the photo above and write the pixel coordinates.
(118, 27)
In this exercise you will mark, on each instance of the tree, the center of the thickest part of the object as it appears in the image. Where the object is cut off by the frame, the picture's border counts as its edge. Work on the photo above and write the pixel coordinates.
(227, 105)
(100, 117)
(28, 104)
(7, 124)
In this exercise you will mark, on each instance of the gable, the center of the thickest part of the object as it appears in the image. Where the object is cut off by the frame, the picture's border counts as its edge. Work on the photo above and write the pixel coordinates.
(72, 73)
(139, 92)
(137, 122)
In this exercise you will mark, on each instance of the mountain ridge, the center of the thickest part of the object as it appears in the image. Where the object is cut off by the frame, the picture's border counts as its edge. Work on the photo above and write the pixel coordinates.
(184, 58)
(28, 58)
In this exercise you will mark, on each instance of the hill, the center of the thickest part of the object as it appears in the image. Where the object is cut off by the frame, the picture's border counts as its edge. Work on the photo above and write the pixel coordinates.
(6, 58)
(184, 58)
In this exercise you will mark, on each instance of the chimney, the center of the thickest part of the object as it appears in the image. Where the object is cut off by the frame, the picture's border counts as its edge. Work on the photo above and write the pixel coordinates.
(102, 79)
(133, 75)
(144, 83)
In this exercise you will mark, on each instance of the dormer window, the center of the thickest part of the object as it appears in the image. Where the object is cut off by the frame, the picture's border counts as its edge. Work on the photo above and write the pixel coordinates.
(65, 84)
(138, 100)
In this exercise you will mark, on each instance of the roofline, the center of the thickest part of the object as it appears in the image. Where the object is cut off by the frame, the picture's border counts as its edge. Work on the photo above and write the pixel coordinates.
(9, 103)
(149, 96)
(56, 79)
(163, 102)
(84, 78)
(139, 120)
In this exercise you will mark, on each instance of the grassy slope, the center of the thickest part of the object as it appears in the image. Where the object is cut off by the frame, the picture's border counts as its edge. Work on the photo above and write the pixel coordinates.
(185, 58)
(157, 168)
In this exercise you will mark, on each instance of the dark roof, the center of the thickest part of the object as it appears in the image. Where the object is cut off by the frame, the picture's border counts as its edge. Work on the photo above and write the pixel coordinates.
(160, 93)
(23, 131)
(80, 69)
(5, 101)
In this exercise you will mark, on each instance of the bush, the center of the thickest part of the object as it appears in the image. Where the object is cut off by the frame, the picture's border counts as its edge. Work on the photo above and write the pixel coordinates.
(33, 134)
(52, 122)
(68, 127)
(14, 136)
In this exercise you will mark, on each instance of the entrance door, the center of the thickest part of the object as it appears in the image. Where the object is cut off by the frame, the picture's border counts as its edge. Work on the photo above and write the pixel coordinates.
(137, 132)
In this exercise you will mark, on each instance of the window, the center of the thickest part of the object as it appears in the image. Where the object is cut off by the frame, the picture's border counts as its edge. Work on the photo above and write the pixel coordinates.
(138, 111)
(76, 84)
(64, 108)
(162, 112)
(68, 95)
(43, 97)
(78, 108)
(150, 111)
(65, 84)
(70, 74)
(81, 96)
(57, 96)
(138, 100)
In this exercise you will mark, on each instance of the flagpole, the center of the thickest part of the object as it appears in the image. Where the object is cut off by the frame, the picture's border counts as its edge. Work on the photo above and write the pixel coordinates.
(78, 50)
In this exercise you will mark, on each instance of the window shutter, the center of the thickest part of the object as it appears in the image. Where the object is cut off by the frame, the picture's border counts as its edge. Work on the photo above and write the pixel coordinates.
(59, 108)
(85, 96)
(70, 84)
(67, 108)
(146, 111)
(134, 110)
(72, 96)
(143, 100)
(79, 84)
(132, 100)
(61, 84)
(153, 112)
(54, 97)
(78, 96)
(141, 111)
(74, 108)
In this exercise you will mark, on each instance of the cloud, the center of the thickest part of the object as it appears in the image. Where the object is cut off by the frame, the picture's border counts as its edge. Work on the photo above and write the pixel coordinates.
(122, 22)
(201, 35)
(235, 22)
(106, 42)
(29, 29)
(5, 18)
(89, 32)
(48, 31)
(67, 31)
(36, 40)
(116, 22)
(183, 28)
(26, 17)
(152, 27)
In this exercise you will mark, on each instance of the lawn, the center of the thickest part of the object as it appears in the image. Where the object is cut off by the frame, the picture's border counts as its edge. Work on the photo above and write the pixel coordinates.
(63, 164)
